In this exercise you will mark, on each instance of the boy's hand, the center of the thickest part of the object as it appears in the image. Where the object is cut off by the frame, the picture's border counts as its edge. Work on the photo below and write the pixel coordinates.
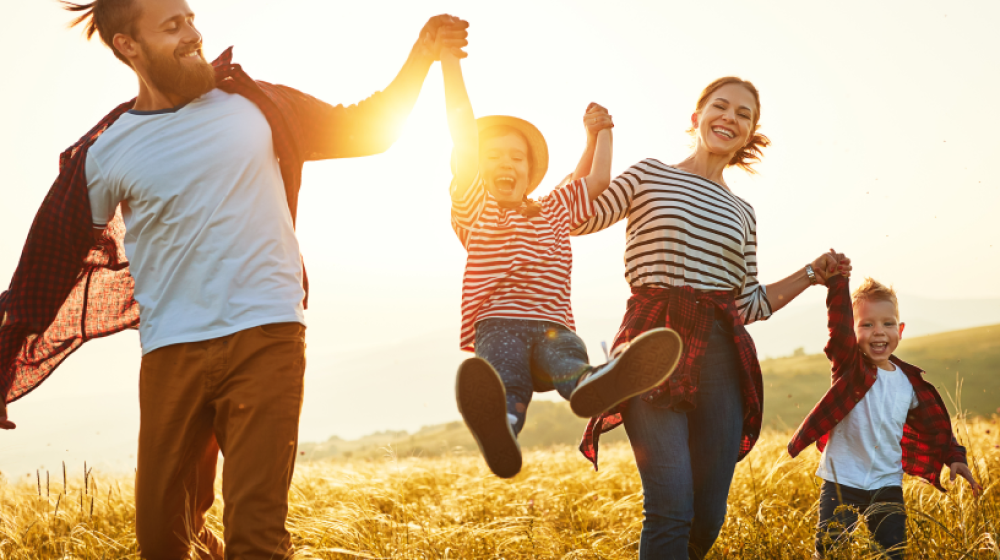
(830, 264)
(444, 33)
(963, 470)
(595, 120)
(5, 424)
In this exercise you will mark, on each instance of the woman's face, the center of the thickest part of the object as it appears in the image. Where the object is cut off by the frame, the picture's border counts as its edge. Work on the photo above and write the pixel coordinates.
(503, 161)
(725, 123)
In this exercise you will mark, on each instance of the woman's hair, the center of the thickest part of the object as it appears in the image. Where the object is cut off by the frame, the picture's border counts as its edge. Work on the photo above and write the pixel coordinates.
(504, 130)
(751, 152)
(106, 18)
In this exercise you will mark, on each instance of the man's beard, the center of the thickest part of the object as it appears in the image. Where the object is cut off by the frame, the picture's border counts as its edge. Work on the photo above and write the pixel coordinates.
(170, 76)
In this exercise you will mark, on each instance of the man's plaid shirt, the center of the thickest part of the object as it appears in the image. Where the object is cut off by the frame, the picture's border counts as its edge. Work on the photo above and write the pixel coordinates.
(691, 313)
(928, 441)
(68, 289)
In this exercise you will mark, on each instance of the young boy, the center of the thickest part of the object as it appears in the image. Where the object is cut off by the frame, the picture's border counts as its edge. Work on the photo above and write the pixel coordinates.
(516, 311)
(879, 419)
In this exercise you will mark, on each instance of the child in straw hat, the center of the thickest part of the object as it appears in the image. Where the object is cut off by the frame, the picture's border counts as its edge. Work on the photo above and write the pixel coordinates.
(516, 313)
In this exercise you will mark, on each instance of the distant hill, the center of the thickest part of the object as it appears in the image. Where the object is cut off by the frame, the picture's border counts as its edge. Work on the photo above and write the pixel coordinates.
(792, 385)
(803, 323)
(549, 423)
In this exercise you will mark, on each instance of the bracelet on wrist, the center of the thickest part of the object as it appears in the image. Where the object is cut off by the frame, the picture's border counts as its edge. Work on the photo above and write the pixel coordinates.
(811, 274)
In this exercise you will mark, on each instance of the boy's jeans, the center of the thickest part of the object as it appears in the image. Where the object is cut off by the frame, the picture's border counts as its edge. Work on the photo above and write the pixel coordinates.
(686, 459)
(884, 509)
(528, 354)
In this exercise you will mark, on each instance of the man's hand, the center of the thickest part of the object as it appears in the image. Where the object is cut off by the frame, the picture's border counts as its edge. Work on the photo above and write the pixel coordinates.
(963, 470)
(6, 424)
(595, 120)
(444, 33)
(830, 264)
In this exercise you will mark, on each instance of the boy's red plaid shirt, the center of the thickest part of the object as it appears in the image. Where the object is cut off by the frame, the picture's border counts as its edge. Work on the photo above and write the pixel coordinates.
(928, 441)
(691, 313)
(67, 289)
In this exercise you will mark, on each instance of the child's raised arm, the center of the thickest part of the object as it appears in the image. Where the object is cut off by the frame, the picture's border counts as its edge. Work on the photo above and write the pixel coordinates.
(462, 123)
(843, 344)
(593, 166)
(600, 172)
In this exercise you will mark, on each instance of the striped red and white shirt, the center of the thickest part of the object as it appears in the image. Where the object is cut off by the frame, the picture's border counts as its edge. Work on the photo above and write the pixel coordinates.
(518, 267)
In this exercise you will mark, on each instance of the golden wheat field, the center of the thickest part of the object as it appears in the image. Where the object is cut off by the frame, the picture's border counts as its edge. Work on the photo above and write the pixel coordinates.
(450, 507)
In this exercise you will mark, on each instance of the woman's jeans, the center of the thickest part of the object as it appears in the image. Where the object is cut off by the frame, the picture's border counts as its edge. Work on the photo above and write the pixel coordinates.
(530, 354)
(686, 459)
(884, 510)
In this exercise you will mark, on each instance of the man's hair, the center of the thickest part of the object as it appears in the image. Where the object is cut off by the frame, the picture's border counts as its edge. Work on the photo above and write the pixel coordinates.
(107, 18)
(873, 290)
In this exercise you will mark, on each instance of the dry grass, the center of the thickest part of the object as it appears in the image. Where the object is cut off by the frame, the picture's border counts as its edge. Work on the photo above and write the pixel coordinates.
(451, 508)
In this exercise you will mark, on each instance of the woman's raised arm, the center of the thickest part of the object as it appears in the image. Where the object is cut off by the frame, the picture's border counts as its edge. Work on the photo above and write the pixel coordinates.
(613, 204)
(782, 292)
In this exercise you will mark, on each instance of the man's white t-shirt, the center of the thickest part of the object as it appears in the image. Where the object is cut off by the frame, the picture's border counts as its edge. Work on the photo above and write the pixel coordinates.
(864, 450)
(209, 235)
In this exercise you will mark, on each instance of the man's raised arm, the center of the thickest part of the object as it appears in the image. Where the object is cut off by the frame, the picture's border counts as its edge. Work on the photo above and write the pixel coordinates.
(373, 125)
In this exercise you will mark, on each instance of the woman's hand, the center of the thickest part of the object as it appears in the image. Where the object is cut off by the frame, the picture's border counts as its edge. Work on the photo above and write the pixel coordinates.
(961, 469)
(830, 264)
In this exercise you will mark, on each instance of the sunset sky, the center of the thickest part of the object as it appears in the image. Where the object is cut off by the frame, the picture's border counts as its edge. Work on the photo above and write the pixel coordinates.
(883, 118)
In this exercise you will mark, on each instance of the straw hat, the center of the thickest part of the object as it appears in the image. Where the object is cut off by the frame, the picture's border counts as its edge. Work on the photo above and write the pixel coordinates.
(537, 146)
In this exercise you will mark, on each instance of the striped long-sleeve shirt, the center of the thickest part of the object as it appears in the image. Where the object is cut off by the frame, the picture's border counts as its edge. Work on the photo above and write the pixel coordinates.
(684, 230)
(518, 267)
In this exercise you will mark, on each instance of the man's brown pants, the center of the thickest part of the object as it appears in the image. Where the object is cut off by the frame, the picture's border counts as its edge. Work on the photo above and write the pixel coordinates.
(242, 394)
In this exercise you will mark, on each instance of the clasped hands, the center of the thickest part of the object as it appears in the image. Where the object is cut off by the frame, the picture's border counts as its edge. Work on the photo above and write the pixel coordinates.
(443, 33)
(830, 264)
(595, 120)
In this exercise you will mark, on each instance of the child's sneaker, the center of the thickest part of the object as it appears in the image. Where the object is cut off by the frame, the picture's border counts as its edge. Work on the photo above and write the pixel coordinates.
(482, 401)
(646, 363)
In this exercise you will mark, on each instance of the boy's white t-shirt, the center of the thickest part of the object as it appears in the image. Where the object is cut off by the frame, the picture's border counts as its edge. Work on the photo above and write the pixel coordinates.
(209, 235)
(864, 449)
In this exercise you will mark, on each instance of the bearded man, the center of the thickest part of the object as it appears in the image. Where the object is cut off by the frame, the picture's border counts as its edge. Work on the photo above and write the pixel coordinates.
(175, 215)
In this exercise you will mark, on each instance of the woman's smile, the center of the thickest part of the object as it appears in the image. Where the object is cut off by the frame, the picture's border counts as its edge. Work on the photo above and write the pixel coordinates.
(723, 132)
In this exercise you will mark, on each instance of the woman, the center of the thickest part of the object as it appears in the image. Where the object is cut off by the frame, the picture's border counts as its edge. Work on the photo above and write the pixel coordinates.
(691, 258)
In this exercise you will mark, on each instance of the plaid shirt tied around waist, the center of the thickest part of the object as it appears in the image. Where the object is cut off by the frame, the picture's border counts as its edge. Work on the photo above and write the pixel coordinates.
(928, 441)
(691, 313)
(69, 288)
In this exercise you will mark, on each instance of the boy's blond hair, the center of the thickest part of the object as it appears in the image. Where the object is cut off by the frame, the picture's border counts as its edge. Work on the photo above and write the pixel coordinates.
(873, 290)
